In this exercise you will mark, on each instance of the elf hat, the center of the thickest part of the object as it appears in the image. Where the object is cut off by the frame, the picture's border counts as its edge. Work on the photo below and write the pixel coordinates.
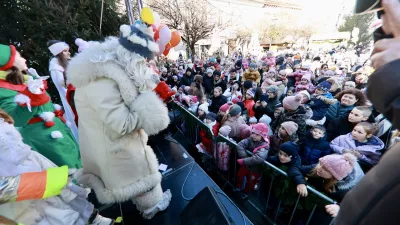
(58, 47)
(7, 56)
(138, 39)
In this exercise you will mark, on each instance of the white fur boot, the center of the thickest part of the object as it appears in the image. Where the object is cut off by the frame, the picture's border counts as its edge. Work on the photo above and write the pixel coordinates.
(161, 206)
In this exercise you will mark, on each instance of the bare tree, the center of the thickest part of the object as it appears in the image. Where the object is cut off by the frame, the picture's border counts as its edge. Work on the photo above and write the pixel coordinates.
(189, 17)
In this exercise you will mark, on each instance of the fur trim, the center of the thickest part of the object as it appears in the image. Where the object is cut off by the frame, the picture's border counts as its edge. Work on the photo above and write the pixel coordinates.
(153, 46)
(149, 199)
(125, 30)
(153, 117)
(56, 134)
(137, 40)
(47, 116)
(57, 107)
(110, 196)
(22, 99)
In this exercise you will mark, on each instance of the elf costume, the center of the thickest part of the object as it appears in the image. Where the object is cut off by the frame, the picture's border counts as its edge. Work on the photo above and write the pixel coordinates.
(40, 123)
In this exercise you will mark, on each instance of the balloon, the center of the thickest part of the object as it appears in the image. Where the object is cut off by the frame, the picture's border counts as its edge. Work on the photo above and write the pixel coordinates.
(167, 48)
(175, 38)
(147, 15)
(165, 35)
(161, 46)
(154, 28)
(157, 20)
(157, 33)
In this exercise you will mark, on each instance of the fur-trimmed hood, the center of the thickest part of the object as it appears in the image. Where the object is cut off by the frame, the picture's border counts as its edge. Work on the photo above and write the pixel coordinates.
(110, 60)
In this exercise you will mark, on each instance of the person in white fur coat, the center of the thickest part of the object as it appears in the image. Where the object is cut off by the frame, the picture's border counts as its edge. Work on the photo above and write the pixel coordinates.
(42, 194)
(117, 110)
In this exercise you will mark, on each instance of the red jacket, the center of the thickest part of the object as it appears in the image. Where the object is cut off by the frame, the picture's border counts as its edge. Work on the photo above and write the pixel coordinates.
(248, 104)
(207, 141)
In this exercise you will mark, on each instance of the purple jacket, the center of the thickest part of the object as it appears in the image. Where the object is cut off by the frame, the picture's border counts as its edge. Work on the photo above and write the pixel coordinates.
(369, 153)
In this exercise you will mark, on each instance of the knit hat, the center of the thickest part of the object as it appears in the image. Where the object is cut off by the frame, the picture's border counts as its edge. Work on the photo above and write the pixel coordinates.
(198, 79)
(58, 47)
(211, 116)
(306, 93)
(324, 86)
(253, 65)
(224, 108)
(248, 84)
(217, 73)
(265, 119)
(235, 100)
(238, 64)
(292, 102)
(262, 130)
(290, 127)
(274, 89)
(307, 76)
(250, 92)
(244, 131)
(340, 166)
(138, 39)
(209, 70)
(264, 98)
(175, 77)
(82, 44)
(253, 120)
(194, 99)
(290, 148)
(7, 56)
(204, 107)
(235, 110)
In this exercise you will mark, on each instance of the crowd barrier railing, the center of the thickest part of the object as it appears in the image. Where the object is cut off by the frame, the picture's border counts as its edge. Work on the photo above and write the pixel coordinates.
(265, 187)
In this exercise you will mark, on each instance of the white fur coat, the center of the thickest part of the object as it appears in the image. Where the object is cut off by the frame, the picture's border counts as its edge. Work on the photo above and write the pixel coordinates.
(117, 110)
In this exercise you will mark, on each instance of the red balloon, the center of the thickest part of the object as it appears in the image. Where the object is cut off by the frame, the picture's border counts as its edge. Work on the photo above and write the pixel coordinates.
(157, 32)
(154, 28)
(167, 48)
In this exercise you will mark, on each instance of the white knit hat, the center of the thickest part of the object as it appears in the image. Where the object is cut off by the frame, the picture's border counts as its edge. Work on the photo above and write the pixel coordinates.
(204, 107)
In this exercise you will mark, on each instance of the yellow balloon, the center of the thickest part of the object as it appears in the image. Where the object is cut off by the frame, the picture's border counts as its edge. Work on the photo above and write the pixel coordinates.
(147, 16)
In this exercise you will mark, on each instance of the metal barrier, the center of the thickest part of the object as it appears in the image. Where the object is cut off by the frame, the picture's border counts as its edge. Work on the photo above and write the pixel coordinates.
(272, 196)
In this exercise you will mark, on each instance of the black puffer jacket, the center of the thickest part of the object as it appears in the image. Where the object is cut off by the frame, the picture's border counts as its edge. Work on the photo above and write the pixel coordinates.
(294, 168)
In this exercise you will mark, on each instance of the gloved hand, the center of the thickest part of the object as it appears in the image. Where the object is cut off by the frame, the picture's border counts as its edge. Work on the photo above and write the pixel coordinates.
(163, 91)
(33, 73)
(240, 161)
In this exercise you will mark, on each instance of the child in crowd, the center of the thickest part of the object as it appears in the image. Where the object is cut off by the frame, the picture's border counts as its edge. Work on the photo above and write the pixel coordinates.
(252, 74)
(193, 104)
(289, 92)
(345, 123)
(202, 111)
(319, 106)
(231, 122)
(267, 121)
(252, 121)
(249, 102)
(305, 97)
(258, 144)
(287, 132)
(361, 142)
(315, 146)
(289, 156)
(206, 141)
(305, 84)
(269, 79)
(223, 110)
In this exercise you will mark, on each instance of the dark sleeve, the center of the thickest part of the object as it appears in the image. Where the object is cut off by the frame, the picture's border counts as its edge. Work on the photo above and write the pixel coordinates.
(386, 100)
(241, 148)
(274, 160)
(294, 172)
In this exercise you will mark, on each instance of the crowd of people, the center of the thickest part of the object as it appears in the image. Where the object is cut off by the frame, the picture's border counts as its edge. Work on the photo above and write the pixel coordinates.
(305, 110)
(302, 109)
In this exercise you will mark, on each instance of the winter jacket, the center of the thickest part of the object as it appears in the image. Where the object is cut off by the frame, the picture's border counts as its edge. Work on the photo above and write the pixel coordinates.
(378, 192)
(297, 75)
(272, 104)
(206, 140)
(249, 106)
(187, 80)
(253, 76)
(276, 141)
(230, 127)
(308, 87)
(299, 116)
(220, 83)
(114, 126)
(62, 149)
(216, 103)
(370, 152)
(339, 126)
(294, 168)
(341, 187)
(318, 106)
(208, 83)
(17, 159)
(336, 110)
(260, 150)
(270, 61)
(259, 111)
(313, 149)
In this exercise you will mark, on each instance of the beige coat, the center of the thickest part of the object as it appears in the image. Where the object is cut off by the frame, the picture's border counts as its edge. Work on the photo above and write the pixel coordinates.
(114, 121)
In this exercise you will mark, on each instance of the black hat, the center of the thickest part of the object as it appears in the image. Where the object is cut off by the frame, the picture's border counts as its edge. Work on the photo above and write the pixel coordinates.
(367, 6)
(248, 84)
(211, 116)
(264, 98)
(290, 148)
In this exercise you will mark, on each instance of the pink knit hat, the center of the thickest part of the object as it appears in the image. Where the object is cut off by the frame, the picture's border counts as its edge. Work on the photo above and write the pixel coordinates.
(307, 76)
(290, 127)
(244, 131)
(340, 166)
(292, 102)
(194, 99)
(262, 130)
(224, 108)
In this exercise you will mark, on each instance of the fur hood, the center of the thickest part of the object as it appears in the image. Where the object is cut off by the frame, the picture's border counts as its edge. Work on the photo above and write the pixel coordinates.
(110, 60)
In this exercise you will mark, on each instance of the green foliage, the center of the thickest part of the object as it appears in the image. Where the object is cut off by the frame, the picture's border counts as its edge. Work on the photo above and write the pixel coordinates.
(29, 24)
(362, 22)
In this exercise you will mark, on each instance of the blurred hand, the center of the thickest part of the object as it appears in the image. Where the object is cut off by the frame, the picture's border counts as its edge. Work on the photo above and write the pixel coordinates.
(302, 190)
(356, 154)
(332, 209)
(388, 50)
